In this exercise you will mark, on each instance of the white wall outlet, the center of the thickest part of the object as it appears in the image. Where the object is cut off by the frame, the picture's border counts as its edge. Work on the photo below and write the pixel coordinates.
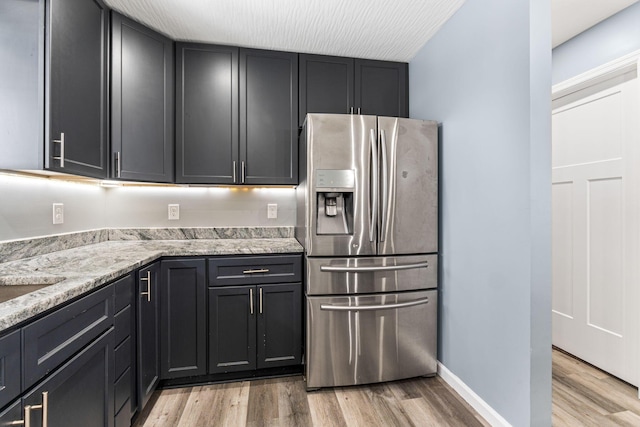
(272, 210)
(174, 212)
(58, 213)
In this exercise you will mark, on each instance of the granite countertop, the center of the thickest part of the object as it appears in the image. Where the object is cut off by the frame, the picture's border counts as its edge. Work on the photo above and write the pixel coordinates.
(73, 272)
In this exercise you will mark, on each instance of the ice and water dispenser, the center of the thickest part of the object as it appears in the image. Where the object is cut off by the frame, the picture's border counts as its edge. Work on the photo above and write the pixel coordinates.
(334, 201)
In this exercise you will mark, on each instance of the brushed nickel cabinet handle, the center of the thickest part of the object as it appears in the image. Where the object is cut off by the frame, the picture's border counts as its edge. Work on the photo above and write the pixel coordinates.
(234, 171)
(148, 280)
(260, 300)
(243, 166)
(259, 270)
(118, 165)
(251, 300)
(61, 156)
(45, 412)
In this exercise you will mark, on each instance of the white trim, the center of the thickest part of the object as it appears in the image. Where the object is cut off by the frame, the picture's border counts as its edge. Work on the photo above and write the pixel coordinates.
(476, 402)
(629, 60)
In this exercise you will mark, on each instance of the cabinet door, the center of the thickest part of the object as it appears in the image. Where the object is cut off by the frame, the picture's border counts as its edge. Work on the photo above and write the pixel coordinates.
(10, 356)
(77, 95)
(326, 85)
(80, 392)
(183, 318)
(141, 102)
(382, 88)
(206, 114)
(268, 117)
(13, 415)
(232, 329)
(148, 333)
(279, 325)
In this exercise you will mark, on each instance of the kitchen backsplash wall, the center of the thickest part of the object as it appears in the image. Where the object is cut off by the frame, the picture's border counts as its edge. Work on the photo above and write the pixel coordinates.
(26, 207)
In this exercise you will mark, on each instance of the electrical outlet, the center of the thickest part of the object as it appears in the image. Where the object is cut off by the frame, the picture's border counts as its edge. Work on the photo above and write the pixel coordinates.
(58, 213)
(272, 210)
(174, 212)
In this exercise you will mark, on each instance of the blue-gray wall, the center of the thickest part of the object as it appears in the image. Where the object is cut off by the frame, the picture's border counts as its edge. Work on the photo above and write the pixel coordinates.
(604, 42)
(486, 76)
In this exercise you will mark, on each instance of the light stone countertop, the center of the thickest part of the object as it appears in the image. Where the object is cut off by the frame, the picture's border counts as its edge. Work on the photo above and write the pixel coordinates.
(87, 267)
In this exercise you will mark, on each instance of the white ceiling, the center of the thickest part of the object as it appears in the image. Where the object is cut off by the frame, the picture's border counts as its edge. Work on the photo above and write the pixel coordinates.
(571, 17)
(392, 30)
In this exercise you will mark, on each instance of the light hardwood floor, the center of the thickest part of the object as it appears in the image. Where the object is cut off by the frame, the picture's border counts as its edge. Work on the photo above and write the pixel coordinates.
(284, 402)
(582, 396)
(586, 396)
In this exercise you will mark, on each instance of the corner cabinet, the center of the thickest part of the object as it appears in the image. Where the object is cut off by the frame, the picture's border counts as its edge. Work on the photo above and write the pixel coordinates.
(236, 116)
(255, 316)
(141, 102)
(339, 85)
(53, 111)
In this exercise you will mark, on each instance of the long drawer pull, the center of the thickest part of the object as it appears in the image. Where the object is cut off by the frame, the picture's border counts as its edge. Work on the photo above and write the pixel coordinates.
(259, 270)
(251, 300)
(329, 307)
(339, 269)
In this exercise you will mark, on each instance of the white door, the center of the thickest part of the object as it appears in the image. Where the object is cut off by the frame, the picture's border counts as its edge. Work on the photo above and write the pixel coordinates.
(595, 225)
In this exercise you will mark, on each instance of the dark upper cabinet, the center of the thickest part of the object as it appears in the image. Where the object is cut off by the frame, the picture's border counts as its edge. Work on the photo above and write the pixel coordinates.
(148, 333)
(382, 88)
(232, 329)
(206, 114)
(279, 325)
(53, 109)
(330, 84)
(142, 105)
(268, 117)
(326, 85)
(77, 89)
(183, 318)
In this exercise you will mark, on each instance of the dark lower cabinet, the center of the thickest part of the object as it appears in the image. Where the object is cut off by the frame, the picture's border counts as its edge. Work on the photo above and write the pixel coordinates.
(79, 393)
(254, 327)
(148, 333)
(183, 318)
(12, 416)
(141, 102)
(232, 329)
(279, 325)
(10, 361)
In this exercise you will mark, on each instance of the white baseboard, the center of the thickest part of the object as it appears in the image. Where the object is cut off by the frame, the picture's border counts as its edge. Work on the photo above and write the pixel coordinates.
(476, 402)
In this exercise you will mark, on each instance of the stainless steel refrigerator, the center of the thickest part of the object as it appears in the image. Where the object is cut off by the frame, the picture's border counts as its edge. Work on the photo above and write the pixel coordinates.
(367, 216)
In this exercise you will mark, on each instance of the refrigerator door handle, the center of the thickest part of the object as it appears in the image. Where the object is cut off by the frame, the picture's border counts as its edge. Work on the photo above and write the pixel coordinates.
(373, 204)
(339, 269)
(385, 184)
(329, 307)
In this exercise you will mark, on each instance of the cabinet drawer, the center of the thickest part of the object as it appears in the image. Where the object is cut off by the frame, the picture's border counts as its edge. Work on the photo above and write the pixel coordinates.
(124, 292)
(56, 337)
(123, 357)
(122, 323)
(254, 270)
(9, 367)
(123, 392)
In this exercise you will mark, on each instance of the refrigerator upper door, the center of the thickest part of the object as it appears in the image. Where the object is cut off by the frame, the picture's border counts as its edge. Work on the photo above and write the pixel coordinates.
(408, 218)
(341, 161)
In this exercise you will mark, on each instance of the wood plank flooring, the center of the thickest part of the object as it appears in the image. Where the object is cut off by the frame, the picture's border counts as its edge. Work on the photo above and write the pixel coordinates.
(586, 396)
(582, 396)
(285, 402)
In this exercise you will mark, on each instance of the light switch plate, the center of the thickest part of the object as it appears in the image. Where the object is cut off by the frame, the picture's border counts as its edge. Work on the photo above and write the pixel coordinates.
(174, 212)
(58, 213)
(272, 210)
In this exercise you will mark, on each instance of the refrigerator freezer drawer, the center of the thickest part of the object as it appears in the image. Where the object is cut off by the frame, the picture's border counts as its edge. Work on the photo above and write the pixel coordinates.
(341, 276)
(374, 338)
